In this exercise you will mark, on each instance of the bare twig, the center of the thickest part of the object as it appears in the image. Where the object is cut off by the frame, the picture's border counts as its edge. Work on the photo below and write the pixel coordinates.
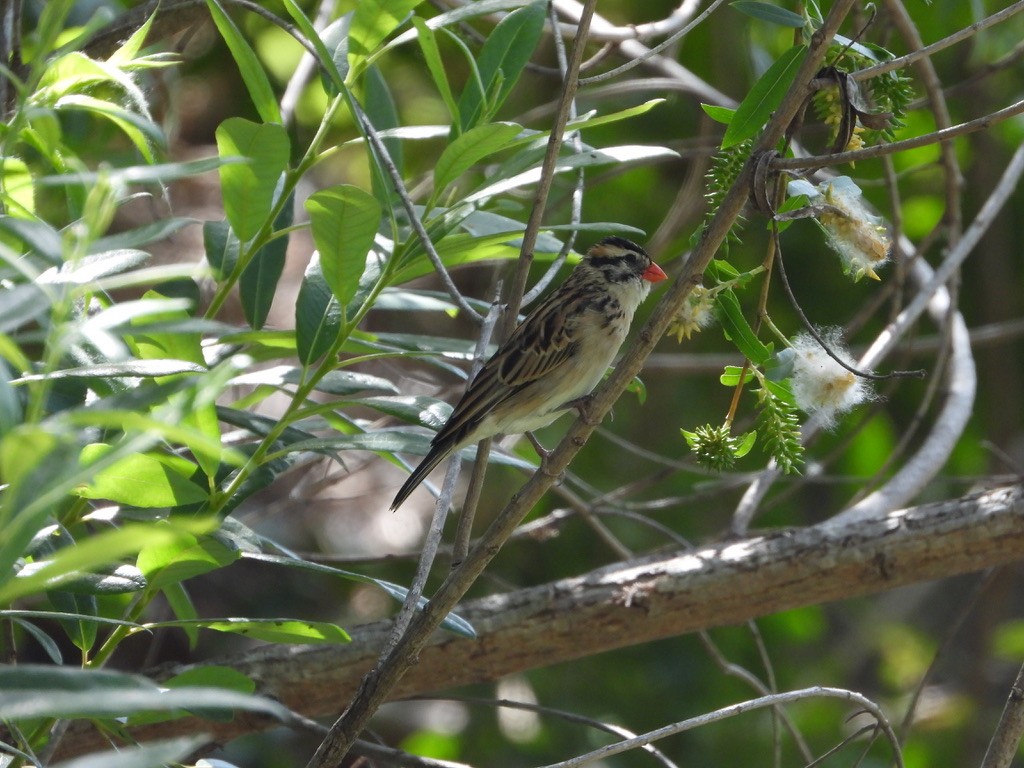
(1003, 747)
(880, 150)
(773, 700)
(395, 175)
(946, 42)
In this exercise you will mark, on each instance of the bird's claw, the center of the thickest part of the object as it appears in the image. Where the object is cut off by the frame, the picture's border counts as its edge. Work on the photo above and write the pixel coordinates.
(584, 406)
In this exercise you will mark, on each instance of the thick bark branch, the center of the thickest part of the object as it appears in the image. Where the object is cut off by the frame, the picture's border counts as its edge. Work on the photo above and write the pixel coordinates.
(639, 601)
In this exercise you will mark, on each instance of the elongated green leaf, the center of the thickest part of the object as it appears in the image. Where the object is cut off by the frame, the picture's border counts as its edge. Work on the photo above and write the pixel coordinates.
(211, 676)
(773, 14)
(336, 66)
(221, 245)
(131, 47)
(470, 148)
(432, 55)
(249, 187)
(344, 220)
(150, 754)
(258, 284)
(133, 368)
(143, 132)
(143, 480)
(764, 97)
(452, 621)
(723, 115)
(89, 555)
(37, 236)
(181, 605)
(730, 315)
(47, 643)
(502, 59)
(273, 630)
(380, 108)
(317, 315)
(373, 21)
(252, 71)
(81, 632)
(139, 174)
(627, 153)
(171, 562)
(31, 691)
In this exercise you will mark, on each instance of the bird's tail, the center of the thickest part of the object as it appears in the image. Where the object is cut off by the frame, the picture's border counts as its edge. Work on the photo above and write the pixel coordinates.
(435, 456)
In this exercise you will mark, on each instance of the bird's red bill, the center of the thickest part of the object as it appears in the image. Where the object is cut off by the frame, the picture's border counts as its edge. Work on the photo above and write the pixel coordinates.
(654, 274)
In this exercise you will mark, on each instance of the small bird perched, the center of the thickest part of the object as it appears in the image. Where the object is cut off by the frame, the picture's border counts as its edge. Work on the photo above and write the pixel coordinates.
(558, 354)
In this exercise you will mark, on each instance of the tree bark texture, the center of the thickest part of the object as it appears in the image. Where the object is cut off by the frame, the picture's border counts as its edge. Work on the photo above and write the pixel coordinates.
(635, 602)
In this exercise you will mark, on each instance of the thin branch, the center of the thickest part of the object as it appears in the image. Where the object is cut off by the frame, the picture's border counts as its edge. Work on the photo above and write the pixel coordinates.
(811, 329)
(880, 150)
(946, 42)
(1005, 741)
(773, 700)
(636, 61)
(410, 209)
(566, 107)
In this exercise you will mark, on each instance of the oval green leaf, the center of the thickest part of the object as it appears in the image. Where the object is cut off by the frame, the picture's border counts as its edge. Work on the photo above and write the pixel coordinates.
(344, 220)
(248, 187)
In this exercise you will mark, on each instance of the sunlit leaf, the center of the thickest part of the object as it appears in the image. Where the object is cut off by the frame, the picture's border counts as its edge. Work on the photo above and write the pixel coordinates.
(249, 187)
(253, 74)
(344, 220)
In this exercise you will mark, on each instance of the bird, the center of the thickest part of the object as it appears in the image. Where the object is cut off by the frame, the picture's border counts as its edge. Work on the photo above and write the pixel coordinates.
(555, 357)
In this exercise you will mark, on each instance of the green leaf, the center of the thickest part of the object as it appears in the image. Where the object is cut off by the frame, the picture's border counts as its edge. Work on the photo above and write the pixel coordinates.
(81, 632)
(221, 245)
(249, 187)
(730, 315)
(432, 55)
(317, 315)
(92, 554)
(764, 97)
(469, 149)
(183, 609)
(149, 754)
(731, 376)
(452, 622)
(129, 50)
(131, 369)
(723, 115)
(336, 66)
(373, 21)
(770, 13)
(502, 59)
(142, 480)
(31, 691)
(746, 442)
(383, 114)
(253, 74)
(173, 561)
(258, 284)
(292, 631)
(344, 220)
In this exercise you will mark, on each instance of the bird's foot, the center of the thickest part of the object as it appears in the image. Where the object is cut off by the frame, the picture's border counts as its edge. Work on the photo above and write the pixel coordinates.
(584, 406)
(545, 455)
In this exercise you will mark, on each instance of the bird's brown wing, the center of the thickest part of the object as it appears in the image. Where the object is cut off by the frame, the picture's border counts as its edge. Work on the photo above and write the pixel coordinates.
(543, 342)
